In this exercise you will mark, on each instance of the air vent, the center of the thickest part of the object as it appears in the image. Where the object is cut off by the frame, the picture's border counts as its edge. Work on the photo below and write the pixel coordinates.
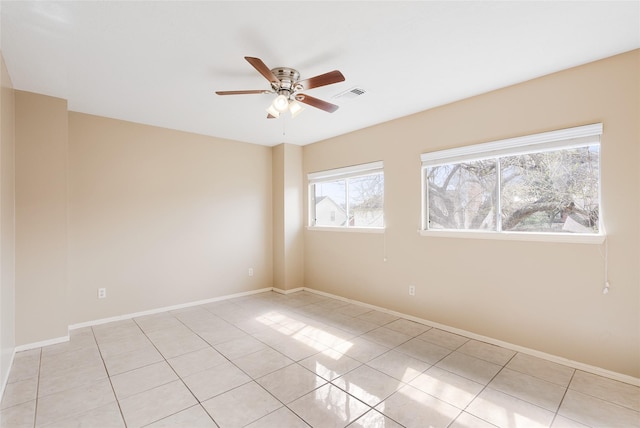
(350, 93)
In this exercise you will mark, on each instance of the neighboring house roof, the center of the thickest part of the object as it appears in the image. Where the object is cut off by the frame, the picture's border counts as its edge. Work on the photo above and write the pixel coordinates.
(330, 201)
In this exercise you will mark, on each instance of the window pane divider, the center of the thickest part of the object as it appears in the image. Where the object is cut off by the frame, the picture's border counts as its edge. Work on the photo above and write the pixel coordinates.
(498, 203)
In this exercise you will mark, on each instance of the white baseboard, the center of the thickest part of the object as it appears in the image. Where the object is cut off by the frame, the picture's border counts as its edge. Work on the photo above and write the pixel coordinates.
(517, 348)
(57, 340)
(42, 343)
(285, 292)
(166, 308)
(6, 378)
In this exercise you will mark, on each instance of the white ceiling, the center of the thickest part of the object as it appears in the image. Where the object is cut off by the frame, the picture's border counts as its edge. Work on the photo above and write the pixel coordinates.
(159, 63)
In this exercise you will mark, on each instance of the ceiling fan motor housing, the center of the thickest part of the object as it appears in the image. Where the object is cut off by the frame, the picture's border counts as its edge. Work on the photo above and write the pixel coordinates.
(288, 78)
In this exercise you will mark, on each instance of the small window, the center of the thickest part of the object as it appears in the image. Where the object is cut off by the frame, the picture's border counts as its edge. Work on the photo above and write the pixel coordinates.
(545, 184)
(350, 197)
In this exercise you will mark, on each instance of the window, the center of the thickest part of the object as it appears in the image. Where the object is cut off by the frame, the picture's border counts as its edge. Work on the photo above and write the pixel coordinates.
(350, 197)
(541, 184)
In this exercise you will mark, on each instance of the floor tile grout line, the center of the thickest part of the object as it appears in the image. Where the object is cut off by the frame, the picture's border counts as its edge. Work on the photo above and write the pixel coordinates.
(315, 389)
(227, 358)
(486, 386)
(270, 347)
(541, 378)
(97, 346)
(327, 382)
(517, 398)
(124, 421)
(285, 405)
(370, 406)
(426, 370)
(198, 402)
(555, 413)
(589, 395)
(404, 384)
(35, 407)
(600, 398)
(463, 410)
(173, 414)
(373, 409)
(566, 390)
(254, 380)
(244, 384)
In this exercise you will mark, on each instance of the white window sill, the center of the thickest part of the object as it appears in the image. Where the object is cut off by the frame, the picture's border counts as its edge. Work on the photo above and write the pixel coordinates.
(347, 229)
(571, 238)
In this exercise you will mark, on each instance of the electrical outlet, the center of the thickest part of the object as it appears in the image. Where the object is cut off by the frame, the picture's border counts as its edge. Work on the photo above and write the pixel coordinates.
(250, 271)
(412, 290)
(102, 293)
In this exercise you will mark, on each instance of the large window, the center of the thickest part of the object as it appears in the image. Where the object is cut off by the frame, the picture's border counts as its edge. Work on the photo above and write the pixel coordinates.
(350, 197)
(543, 184)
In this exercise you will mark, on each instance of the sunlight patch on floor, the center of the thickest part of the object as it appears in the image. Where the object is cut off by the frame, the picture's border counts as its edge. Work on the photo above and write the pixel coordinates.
(309, 335)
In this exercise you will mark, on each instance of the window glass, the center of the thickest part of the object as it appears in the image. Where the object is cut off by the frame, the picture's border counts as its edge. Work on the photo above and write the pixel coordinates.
(331, 203)
(346, 197)
(366, 200)
(462, 195)
(554, 191)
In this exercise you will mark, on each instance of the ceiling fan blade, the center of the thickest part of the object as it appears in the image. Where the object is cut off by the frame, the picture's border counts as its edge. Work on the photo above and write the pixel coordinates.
(322, 80)
(317, 103)
(270, 116)
(262, 69)
(252, 91)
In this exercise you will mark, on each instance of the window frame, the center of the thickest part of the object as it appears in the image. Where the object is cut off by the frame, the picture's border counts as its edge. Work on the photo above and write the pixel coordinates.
(336, 174)
(569, 138)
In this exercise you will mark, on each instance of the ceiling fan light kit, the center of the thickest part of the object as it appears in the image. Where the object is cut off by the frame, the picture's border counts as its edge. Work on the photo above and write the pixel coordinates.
(295, 108)
(273, 113)
(281, 103)
(286, 83)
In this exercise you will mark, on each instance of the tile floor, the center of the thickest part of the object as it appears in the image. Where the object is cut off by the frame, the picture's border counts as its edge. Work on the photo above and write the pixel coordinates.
(299, 360)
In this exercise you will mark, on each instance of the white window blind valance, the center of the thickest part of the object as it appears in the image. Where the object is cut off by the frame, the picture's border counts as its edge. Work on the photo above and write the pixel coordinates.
(345, 172)
(565, 138)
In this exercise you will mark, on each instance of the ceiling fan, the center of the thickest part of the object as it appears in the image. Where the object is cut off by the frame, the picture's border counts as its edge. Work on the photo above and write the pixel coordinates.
(286, 83)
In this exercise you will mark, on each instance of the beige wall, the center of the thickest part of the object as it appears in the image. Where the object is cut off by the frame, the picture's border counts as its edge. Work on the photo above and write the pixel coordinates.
(279, 260)
(543, 296)
(155, 216)
(293, 217)
(161, 217)
(288, 222)
(7, 222)
(41, 217)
